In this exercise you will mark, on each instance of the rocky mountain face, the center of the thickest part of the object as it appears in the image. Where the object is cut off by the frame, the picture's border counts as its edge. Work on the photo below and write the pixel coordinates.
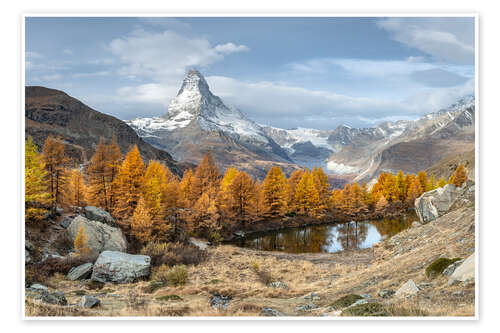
(53, 112)
(362, 153)
(197, 121)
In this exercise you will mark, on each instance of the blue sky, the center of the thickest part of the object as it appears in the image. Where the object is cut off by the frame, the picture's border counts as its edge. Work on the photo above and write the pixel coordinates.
(285, 72)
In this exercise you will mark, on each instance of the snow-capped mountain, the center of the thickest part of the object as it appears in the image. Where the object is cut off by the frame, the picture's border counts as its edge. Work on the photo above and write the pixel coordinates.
(197, 121)
(357, 151)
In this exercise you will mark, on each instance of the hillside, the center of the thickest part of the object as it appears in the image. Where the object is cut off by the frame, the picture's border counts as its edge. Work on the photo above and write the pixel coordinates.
(53, 112)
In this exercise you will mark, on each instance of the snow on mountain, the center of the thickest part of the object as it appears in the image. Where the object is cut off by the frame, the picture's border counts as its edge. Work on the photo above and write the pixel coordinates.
(196, 103)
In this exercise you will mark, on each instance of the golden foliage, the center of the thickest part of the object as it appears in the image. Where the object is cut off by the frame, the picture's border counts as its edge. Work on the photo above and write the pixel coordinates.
(80, 242)
(36, 195)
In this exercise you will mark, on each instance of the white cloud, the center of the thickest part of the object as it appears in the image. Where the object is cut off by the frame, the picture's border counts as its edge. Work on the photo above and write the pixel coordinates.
(447, 39)
(229, 48)
(52, 77)
(32, 54)
(68, 51)
(100, 73)
(165, 56)
(151, 93)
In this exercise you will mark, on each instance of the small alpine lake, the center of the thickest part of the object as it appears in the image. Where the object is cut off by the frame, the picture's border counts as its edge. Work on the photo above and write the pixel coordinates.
(327, 238)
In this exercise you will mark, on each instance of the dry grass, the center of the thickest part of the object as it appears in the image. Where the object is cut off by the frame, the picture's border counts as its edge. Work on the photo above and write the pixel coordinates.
(237, 272)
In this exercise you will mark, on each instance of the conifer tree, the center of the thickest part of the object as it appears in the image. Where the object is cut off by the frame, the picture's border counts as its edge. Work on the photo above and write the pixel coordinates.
(459, 176)
(422, 179)
(414, 192)
(322, 185)
(99, 177)
(336, 199)
(224, 197)
(402, 186)
(155, 187)
(307, 199)
(141, 222)
(76, 189)
(55, 161)
(80, 242)
(186, 189)
(113, 157)
(36, 195)
(243, 195)
(441, 182)
(129, 183)
(294, 179)
(431, 184)
(381, 204)
(206, 177)
(275, 192)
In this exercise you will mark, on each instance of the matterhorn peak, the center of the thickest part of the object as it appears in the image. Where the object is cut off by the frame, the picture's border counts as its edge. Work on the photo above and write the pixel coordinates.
(194, 82)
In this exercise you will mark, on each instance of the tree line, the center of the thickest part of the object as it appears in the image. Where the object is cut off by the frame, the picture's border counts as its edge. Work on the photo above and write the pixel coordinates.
(146, 199)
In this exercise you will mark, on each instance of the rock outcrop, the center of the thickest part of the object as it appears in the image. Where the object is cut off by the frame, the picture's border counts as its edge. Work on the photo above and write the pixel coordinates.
(80, 272)
(433, 204)
(119, 267)
(464, 272)
(407, 289)
(100, 215)
(100, 236)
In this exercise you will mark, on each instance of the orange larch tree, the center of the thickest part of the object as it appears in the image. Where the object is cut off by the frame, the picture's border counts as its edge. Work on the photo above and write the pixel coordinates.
(55, 161)
(275, 192)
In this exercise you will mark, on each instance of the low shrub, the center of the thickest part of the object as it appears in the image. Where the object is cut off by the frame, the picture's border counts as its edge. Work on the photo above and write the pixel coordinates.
(438, 266)
(171, 254)
(39, 272)
(94, 285)
(345, 301)
(154, 286)
(366, 310)
(263, 275)
(176, 275)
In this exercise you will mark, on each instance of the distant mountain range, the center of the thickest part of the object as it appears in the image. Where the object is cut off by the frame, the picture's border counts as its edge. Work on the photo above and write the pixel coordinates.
(53, 112)
(197, 121)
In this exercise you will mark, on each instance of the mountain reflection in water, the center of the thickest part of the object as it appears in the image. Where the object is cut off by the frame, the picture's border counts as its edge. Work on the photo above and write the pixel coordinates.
(327, 238)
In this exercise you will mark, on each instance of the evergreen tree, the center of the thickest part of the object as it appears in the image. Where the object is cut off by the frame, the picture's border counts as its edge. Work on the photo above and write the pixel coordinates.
(275, 192)
(55, 161)
(36, 194)
(459, 176)
(129, 183)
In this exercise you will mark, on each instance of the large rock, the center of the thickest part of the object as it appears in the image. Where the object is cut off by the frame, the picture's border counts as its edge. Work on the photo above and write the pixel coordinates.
(100, 215)
(56, 297)
(80, 272)
(119, 267)
(100, 236)
(464, 272)
(89, 301)
(407, 289)
(435, 203)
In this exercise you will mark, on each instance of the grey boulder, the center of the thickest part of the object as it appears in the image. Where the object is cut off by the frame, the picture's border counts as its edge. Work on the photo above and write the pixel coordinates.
(464, 272)
(407, 289)
(89, 301)
(268, 312)
(80, 272)
(53, 298)
(100, 215)
(100, 236)
(435, 203)
(119, 267)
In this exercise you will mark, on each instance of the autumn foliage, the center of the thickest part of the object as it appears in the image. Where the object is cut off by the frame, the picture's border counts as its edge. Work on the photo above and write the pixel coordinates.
(151, 203)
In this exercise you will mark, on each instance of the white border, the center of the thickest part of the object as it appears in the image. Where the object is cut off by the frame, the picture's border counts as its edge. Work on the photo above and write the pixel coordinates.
(266, 13)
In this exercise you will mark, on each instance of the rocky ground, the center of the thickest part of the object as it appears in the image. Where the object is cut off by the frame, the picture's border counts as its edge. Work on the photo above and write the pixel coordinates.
(242, 282)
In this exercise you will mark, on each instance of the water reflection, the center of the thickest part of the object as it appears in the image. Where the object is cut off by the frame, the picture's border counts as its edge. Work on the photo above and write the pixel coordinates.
(327, 238)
